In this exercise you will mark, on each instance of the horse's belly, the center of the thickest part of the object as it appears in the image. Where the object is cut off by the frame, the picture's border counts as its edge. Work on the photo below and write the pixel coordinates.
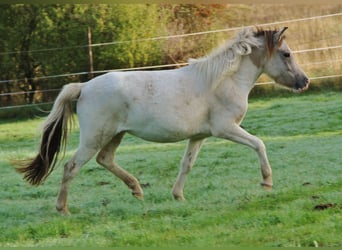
(168, 128)
(167, 137)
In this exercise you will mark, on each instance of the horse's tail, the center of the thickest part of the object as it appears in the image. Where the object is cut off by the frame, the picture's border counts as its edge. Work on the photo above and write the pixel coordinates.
(54, 136)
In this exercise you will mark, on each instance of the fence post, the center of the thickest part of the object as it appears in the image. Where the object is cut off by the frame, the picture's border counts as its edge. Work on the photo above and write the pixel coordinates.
(90, 53)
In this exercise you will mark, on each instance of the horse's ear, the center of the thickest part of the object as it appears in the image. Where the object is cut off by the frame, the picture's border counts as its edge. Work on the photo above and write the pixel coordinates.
(277, 35)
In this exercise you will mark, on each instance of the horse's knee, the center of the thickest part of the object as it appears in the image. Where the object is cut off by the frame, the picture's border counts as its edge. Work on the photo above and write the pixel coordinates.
(260, 146)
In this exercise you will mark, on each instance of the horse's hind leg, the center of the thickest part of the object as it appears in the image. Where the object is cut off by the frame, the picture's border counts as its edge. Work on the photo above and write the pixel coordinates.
(106, 158)
(71, 168)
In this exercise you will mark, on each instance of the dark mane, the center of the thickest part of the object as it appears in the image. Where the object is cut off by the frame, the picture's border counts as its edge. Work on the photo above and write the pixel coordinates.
(268, 34)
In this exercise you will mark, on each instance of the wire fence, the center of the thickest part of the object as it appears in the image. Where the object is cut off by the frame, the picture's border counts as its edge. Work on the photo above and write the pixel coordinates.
(309, 50)
(179, 35)
(149, 67)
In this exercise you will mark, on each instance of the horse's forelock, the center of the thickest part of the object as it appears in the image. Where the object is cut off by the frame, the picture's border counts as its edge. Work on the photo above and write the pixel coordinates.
(269, 42)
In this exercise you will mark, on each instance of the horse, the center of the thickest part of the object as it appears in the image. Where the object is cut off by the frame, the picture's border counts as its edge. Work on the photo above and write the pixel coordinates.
(206, 98)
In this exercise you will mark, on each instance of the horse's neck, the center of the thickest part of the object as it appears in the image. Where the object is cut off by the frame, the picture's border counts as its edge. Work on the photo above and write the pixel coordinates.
(243, 73)
(247, 74)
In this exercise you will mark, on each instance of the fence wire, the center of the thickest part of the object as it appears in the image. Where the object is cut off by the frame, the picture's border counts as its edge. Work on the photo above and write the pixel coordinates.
(335, 47)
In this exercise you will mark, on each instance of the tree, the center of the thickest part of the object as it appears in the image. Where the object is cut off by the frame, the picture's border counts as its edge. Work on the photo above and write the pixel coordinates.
(129, 25)
(19, 32)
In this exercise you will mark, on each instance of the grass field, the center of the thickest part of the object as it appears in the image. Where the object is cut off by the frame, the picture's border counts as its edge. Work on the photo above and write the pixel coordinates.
(225, 205)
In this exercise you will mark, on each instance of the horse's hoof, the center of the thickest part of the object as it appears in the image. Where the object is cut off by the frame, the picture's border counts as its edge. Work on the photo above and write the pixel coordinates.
(178, 197)
(63, 210)
(266, 186)
(138, 195)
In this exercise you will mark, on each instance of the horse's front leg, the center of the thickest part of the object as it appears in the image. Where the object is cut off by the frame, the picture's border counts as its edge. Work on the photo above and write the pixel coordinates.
(187, 162)
(237, 134)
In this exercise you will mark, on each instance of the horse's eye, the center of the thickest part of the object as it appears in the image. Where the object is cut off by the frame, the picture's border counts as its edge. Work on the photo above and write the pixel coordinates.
(286, 54)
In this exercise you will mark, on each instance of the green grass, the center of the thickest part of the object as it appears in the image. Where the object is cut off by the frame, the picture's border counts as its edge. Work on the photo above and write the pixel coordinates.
(225, 205)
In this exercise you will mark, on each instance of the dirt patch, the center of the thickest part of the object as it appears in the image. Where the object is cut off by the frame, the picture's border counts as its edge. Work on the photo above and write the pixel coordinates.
(325, 206)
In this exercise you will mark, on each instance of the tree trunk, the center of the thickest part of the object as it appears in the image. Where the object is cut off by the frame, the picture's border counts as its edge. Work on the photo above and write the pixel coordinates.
(26, 60)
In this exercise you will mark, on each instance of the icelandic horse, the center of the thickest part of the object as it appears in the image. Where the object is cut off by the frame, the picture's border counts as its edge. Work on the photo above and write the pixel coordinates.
(209, 97)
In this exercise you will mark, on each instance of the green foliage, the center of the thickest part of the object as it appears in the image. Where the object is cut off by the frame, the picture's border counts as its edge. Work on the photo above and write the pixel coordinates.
(123, 24)
(225, 205)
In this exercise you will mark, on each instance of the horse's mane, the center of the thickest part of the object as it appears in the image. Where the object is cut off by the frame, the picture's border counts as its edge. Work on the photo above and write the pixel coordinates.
(269, 43)
(226, 59)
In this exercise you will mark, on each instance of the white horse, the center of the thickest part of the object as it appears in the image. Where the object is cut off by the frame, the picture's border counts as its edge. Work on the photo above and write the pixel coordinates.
(209, 97)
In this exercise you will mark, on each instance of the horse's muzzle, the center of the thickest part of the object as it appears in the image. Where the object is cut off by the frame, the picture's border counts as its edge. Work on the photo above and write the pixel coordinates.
(304, 85)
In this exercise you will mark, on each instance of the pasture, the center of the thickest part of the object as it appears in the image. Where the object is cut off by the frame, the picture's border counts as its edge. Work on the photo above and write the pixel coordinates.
(225, 204)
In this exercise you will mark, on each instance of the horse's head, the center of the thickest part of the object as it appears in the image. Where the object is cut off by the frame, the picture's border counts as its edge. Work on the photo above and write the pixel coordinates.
(280, 63)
